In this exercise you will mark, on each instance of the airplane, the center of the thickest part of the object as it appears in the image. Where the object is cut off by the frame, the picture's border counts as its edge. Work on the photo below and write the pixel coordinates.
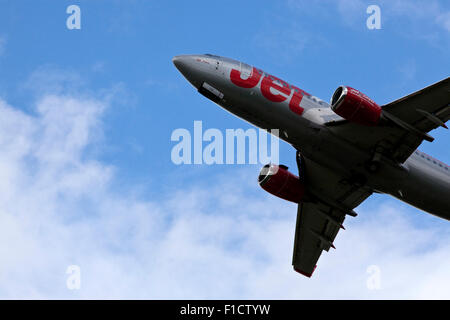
(345, 151)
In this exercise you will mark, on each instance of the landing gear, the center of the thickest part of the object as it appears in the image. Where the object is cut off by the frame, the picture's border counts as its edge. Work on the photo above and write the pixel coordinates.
(374, 164)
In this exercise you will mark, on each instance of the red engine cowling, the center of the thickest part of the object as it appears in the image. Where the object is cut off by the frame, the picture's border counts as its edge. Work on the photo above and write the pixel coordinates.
(355, 106)
(278, 181)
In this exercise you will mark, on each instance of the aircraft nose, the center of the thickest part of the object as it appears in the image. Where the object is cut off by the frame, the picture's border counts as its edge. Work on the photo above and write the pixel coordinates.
(180, 62)
(189, 68)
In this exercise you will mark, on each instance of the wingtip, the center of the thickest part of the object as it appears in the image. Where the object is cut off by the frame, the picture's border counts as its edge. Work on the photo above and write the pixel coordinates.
(305, 273)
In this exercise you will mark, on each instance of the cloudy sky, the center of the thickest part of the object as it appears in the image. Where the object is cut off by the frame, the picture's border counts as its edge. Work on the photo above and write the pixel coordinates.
(86, 177)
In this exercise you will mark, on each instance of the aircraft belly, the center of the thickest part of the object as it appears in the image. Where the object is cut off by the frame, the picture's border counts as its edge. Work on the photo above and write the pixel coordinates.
(427, 190)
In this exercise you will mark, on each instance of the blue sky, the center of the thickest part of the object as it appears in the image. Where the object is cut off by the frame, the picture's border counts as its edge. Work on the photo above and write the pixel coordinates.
(88, 149)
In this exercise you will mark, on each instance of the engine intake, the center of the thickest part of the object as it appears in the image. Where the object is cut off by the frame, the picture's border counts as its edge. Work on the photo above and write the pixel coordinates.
(355, 106)
(277, 180)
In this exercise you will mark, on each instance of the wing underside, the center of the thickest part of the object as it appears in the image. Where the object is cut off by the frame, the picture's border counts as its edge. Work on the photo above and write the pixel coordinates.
(410, 119)
(319, 220)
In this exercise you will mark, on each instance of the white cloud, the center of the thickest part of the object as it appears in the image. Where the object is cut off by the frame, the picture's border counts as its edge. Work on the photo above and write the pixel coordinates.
(217, 239)
(49, 79)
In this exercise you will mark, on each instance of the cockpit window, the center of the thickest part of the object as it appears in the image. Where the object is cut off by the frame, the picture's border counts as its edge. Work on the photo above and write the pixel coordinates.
(211, 55)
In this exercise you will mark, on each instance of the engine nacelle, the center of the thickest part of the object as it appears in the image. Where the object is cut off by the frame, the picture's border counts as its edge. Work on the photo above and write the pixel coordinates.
(355, 106)
(277, 180)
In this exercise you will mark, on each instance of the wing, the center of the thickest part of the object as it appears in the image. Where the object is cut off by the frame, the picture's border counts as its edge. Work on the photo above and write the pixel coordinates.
(319, 220)
(410, 120)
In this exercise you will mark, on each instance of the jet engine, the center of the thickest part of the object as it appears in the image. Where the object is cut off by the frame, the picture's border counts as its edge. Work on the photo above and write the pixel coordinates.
(355, 106)
(277, 180)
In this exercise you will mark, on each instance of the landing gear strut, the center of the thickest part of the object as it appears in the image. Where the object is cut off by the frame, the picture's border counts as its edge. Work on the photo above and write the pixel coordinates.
(374, 164)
